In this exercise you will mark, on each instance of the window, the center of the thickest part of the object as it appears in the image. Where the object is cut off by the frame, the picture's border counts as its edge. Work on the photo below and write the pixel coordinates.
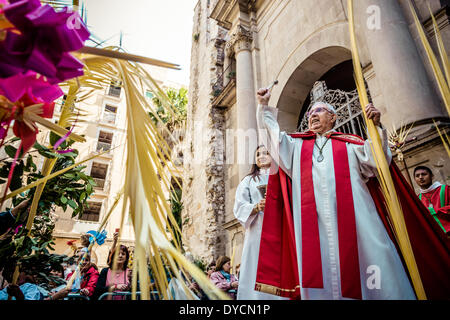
(91, 212)
(98, 173)
(104, 141)
(109, 115)
(115, 88)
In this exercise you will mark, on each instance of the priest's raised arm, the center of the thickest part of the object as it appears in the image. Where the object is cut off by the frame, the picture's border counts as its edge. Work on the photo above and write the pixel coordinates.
(279, 144)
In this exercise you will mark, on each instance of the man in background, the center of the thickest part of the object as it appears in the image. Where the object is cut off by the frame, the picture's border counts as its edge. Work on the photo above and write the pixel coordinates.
(435, 196)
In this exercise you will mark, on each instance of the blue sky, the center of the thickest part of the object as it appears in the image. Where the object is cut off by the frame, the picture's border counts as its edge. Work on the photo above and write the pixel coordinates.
(156, 29)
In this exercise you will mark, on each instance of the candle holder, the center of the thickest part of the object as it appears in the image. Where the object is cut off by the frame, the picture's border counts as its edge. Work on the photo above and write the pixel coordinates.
(262, 189)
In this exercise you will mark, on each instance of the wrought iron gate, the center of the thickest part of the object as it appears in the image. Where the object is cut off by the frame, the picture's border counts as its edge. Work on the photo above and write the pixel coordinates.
(349, 114)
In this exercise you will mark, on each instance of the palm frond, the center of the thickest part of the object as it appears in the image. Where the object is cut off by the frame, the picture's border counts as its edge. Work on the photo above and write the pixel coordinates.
(148, 158)
(442, 84)
(444, 141)
(384, 175)
(46, 178)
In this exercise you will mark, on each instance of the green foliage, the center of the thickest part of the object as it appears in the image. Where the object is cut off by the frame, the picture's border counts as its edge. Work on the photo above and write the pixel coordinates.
(71, 189)
(178, 102)
(176, 205)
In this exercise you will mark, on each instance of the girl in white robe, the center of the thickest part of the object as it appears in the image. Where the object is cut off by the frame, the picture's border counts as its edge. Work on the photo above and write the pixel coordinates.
(248, 209)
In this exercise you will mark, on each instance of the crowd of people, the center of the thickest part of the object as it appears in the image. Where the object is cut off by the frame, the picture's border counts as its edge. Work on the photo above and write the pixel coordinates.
(92, 283)
(88, 283)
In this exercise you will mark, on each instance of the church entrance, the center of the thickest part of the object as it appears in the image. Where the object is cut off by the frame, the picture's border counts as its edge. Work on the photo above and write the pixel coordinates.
(327, 75)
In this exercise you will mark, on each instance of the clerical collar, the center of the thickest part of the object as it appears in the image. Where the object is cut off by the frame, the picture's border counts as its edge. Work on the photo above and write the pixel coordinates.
(435, 185)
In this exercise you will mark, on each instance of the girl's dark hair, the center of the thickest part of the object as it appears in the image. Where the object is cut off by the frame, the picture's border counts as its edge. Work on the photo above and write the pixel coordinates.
(59, 268)
(211, 265)
(221, 261)
(255, 170)
(111, 257)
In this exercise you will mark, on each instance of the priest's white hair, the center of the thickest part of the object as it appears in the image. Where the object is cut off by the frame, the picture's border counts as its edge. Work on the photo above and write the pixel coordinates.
(329, 106)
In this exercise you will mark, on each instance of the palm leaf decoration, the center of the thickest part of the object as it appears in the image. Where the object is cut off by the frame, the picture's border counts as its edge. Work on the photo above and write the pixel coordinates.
(148, 158)
(443, 84)
(445, 141)
(398, 138)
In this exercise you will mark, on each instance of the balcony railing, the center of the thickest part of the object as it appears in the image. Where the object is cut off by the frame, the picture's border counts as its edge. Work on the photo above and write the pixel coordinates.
(223, 79)
(104, 146)
(100, 183)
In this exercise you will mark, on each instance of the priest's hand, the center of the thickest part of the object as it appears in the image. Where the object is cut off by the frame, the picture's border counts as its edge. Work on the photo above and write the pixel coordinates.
(263, 96)
(373, 113)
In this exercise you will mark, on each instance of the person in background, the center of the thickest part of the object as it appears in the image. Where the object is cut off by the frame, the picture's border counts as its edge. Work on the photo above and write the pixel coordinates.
(85, 242)
(222, 278)
(25, 289)
(88, 276)
(117, 280)
(248, 209)
(57, 272)
(435, 196)
(8, 218)
(210, 269)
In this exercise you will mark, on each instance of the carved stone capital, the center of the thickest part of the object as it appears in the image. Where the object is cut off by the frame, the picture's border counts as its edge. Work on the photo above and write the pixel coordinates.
(240, 40)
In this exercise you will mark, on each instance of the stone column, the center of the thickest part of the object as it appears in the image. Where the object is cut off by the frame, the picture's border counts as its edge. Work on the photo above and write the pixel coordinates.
(246, 134)
(400, 73)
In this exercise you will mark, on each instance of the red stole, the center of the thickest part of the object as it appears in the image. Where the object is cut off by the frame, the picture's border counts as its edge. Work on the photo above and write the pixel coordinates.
(348, 246)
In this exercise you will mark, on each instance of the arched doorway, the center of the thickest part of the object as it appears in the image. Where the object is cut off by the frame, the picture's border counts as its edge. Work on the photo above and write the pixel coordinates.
(332, 65)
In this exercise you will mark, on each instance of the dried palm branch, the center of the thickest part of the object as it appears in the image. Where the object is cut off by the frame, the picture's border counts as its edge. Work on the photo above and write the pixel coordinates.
(441, 47)
(445, 141)
(127, 57)
(442, 84)
(398, 138)
(232, 258)
(384, 175)
(148, 158)
(46, 178)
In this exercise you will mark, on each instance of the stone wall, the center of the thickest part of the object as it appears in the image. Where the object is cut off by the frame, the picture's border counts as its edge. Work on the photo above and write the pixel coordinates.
(204, 188)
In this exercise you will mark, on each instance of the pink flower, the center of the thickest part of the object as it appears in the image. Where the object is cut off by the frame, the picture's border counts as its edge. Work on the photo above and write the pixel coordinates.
(43, 42)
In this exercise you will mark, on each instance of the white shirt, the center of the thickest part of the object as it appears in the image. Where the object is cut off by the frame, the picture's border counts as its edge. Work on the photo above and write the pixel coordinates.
(247, 196)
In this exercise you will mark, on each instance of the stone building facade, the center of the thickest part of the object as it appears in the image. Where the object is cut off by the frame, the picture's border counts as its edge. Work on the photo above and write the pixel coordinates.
(242, 45)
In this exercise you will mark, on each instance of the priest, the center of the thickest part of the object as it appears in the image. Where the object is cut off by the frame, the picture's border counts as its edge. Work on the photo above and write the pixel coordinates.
(325, 233)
